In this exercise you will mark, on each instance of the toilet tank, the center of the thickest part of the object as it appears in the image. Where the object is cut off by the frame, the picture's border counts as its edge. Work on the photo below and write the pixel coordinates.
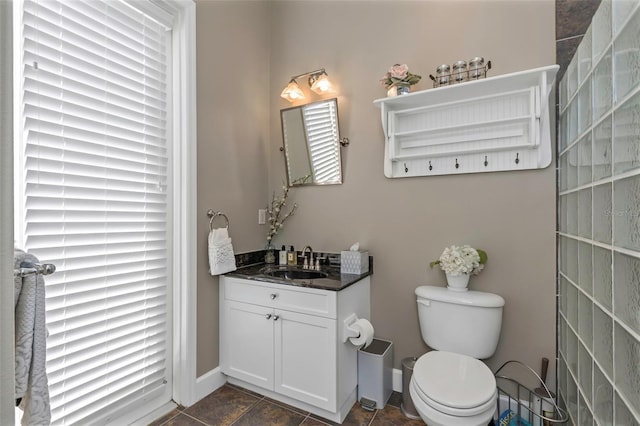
(466, 322)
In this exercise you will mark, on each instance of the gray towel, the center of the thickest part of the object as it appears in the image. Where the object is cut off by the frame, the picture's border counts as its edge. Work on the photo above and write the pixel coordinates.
(31, 345)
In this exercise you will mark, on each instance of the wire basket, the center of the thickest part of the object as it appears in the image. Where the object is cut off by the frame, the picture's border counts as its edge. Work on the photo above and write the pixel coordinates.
(520, 406)
(461, 76)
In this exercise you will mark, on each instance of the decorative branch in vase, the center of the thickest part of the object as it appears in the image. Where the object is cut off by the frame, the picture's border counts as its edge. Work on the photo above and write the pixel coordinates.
(277, 214)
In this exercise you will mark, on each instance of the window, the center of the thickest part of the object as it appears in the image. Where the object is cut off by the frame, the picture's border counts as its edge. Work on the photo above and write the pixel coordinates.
(94, 197)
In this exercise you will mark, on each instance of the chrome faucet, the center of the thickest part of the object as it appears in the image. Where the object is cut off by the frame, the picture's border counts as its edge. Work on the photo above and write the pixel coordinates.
(307, 264)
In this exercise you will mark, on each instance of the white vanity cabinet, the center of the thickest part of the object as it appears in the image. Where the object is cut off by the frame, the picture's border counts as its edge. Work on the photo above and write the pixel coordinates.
(246, 344)
(286, 342)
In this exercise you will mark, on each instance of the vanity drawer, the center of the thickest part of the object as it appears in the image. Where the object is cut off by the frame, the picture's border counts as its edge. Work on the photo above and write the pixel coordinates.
(297, 299)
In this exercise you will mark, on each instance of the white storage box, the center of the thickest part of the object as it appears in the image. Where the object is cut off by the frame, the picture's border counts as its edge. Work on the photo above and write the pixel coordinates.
(354, 262)
(375, 373)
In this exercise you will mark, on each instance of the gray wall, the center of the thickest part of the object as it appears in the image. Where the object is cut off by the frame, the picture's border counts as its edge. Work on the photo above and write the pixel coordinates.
(233, 122)
(7, 366)
(405, 223)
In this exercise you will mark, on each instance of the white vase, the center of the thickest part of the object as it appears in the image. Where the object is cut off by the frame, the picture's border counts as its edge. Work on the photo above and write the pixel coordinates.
(400, 88)
(457, 282)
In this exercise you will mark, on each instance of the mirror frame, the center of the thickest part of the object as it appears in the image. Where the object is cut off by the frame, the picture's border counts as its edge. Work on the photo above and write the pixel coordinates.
(292, 183)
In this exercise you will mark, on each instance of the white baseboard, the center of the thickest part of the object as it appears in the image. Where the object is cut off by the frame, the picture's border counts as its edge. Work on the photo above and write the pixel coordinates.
(214, 379)
(397, 380)
(209, 382)
(152, 416)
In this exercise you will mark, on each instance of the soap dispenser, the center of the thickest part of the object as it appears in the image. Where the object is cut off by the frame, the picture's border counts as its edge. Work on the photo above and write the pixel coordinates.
(282, 256)
(291, 256)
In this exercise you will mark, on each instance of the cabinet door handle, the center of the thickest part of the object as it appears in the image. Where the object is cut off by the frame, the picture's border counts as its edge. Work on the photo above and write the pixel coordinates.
(273, 296)
(276, 317)
(268, 316)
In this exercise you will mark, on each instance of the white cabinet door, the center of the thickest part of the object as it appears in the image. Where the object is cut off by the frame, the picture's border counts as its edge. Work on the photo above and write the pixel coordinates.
(305, 358)
(246, 343)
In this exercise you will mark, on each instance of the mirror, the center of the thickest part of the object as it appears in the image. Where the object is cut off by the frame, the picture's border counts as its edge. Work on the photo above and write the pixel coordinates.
(311, 143)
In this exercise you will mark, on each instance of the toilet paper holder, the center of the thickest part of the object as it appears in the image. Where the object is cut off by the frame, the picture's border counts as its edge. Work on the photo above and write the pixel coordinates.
(358, 331)
(347, 330)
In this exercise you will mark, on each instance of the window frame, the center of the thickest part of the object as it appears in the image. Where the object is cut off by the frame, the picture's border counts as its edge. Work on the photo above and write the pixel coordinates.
(182, 216)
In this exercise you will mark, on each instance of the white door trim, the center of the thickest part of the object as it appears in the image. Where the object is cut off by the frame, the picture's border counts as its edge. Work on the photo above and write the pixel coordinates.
(184, 217)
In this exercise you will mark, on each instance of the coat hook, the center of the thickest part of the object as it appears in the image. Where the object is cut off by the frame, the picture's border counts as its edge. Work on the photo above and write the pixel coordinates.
(457, 165)
(486, 162)
(405, 168)
(430, 166)
(517, 159)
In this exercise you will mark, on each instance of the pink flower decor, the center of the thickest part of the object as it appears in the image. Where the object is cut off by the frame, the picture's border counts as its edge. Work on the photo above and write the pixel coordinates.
(399, 74)
(399, 71)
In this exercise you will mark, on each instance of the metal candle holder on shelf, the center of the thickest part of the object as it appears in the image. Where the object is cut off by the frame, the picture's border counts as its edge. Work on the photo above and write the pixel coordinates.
(460, 72)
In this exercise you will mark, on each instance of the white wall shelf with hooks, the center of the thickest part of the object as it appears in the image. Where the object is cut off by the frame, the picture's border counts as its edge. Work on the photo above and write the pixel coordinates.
(494, 124)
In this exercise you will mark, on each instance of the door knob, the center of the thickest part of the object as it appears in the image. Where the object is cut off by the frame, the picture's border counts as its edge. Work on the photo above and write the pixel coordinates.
(273, 296)
(276, 317)
(268, 316)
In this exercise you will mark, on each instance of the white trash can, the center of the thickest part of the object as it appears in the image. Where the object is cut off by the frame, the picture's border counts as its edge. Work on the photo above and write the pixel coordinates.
(375, 374)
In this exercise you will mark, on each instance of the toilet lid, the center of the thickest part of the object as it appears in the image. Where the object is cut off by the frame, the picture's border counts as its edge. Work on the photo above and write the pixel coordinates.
(454, 380)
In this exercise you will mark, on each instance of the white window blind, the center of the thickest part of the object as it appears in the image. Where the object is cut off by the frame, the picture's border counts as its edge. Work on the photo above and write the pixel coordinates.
(94, 199)
(320, 120)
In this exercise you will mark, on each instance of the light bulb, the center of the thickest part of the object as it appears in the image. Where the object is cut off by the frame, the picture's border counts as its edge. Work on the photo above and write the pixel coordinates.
(321, 84)
(292, 92)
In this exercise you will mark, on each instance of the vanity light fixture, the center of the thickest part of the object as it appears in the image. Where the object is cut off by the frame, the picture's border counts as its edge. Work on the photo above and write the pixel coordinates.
(318, 82)
(292, 92)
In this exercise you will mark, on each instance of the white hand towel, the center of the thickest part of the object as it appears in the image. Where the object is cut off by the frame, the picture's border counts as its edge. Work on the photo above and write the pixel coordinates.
(30, 345)
(221, 256)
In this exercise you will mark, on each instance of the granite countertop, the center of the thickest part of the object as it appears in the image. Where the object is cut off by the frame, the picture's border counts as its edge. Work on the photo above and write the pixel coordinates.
(334, 280)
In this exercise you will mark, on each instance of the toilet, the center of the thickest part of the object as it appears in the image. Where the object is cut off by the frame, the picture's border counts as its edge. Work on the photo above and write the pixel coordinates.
(450, 386)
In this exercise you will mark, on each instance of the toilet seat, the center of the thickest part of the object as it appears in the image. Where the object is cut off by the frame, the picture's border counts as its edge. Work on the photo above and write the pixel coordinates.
(433, 417)
(490, 404)
(454, 384)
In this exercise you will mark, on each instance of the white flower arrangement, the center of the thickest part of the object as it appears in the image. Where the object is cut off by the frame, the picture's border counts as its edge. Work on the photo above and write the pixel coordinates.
(461, 260)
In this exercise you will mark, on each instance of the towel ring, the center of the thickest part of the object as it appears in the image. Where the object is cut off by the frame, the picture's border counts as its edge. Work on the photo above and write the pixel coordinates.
(212, 215)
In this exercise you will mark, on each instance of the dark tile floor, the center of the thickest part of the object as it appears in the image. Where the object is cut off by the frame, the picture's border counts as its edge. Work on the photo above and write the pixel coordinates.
(231, 405)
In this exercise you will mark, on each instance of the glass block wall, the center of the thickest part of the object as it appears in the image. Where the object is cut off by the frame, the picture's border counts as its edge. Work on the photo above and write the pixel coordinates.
(599, 222)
